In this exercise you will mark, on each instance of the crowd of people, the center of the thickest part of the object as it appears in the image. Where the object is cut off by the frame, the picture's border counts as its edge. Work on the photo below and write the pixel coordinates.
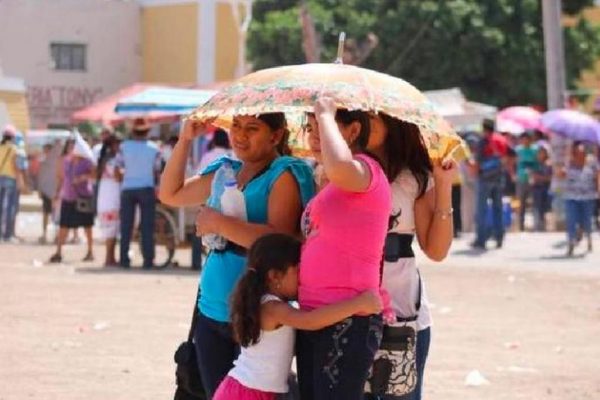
(82, 184)
(521, 169)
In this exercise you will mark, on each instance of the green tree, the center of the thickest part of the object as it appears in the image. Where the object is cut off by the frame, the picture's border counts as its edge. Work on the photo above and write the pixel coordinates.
(492, 49)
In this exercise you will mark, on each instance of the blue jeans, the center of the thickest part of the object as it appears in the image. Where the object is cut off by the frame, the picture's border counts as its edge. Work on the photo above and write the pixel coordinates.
(8, 206)
(541, 205)
(423, 342)
(485, 191)
(333, 363)
(578, 213)
(215, 351)
(146, 199)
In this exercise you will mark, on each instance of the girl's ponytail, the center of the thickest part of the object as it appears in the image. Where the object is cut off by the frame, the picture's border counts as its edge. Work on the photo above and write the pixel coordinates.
(245, 306)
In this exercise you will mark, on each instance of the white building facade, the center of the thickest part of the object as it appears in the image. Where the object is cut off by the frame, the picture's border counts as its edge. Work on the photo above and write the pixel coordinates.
(69, 52)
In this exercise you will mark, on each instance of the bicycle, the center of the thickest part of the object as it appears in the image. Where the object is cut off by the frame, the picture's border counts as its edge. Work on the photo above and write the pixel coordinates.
(165, 236)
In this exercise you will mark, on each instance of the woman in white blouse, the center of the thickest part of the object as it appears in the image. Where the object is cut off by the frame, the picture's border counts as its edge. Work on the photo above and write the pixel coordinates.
(421, 205)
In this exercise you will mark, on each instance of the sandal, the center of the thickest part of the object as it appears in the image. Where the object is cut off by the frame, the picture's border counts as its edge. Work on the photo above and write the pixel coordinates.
(88, 257)
(56, 258)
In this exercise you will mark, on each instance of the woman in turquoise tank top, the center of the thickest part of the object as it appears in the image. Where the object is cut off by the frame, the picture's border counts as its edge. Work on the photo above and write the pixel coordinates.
(276, 188)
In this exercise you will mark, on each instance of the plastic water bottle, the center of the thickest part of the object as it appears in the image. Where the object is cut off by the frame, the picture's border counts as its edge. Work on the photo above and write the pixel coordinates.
(233, 202)
(223, 175)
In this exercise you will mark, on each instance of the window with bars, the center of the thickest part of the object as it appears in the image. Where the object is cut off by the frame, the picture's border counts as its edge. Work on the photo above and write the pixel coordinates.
(68, 56)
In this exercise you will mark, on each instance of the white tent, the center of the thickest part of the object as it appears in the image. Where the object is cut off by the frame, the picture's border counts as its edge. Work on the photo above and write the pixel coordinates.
(461, 113)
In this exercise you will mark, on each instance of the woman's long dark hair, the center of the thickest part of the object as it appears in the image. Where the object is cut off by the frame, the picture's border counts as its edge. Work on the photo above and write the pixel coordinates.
(277, 121)
(106, 153)
(405, 149)
(346, 117)
(68, 143)
(272, 252)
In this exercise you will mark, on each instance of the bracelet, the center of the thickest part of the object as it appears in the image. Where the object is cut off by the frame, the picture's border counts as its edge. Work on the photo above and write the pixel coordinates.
(444, 214)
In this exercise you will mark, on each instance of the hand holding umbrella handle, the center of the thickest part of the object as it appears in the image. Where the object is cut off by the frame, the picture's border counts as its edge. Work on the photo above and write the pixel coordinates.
(193, 128)
(325, 106)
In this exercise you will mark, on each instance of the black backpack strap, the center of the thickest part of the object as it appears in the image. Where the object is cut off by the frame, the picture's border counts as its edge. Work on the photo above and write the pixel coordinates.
(417, 304)
(194, 318)
(419, 293)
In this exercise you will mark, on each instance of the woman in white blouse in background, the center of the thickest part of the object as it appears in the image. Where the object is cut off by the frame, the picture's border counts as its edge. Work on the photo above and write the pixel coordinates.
(421, 205)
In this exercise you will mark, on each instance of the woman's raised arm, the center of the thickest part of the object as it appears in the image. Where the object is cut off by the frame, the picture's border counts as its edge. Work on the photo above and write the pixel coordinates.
(174, 189)
(341, 168)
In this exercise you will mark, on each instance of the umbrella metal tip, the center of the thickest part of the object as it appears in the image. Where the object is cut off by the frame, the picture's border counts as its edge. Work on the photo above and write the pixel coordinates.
(340, 53)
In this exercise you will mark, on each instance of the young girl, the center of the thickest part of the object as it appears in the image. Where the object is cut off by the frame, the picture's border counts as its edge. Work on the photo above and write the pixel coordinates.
(263, 321)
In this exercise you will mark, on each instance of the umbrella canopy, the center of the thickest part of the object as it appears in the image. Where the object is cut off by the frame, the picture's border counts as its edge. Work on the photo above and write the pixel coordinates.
(508, 126)
(163, 99)
(572, 124)
(519, 117)
(295, 88)
(103, 111)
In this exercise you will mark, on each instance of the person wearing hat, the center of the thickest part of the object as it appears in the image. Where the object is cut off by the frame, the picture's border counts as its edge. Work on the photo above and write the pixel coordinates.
(140, 162)
(9, 177)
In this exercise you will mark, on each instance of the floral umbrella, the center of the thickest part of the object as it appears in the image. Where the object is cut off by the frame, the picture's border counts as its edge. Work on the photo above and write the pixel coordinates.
(295, 88)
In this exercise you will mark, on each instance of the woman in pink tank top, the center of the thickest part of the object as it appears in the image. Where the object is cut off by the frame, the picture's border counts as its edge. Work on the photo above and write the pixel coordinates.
(345, 227)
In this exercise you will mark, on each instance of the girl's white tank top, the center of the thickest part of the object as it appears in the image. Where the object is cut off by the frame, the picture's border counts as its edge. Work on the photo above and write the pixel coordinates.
(266, 365)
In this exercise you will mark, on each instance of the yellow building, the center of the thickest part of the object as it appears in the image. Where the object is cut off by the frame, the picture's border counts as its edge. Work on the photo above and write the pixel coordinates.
(80, 51)
(199, 41)
(589, 81)
(13, 103)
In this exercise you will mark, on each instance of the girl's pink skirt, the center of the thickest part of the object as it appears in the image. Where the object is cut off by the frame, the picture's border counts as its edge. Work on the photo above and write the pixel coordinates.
(230, 389)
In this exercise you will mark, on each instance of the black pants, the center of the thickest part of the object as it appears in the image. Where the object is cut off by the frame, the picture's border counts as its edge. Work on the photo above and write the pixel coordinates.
(457, 214)
(215, 350)
(333, 363)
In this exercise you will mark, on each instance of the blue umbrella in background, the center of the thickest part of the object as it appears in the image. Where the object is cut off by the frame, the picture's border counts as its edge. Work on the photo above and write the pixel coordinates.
(572, 124)
(163, 100)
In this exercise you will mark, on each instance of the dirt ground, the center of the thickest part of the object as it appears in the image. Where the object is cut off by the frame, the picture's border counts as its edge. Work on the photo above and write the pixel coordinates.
(524, 317)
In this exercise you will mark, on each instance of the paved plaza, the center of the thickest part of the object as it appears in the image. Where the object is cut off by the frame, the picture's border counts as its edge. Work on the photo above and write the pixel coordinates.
(526, 318)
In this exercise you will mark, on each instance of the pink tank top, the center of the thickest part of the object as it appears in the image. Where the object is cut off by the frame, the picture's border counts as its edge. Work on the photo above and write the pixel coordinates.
(345, 235)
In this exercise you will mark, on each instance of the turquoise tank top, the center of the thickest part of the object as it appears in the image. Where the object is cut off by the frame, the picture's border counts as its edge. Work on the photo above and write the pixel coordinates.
(222, 270)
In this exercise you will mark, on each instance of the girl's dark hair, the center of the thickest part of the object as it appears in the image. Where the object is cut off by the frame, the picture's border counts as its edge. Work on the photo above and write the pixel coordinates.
(106, 153)
(277, 121)
(576, 144)
(272, 252)
(346, 117)
(405, 149)
(68, 143)
(220, 139)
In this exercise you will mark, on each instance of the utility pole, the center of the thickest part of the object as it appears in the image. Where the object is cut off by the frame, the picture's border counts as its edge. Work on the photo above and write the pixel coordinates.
(556, 89)
(555, 53)
(242, 26)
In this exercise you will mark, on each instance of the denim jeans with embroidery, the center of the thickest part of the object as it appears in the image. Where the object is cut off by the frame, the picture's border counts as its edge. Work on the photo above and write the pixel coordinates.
(333, 363)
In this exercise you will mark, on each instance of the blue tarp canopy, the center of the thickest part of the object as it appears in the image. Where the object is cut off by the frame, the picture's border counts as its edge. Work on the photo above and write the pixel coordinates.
(164, 100)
